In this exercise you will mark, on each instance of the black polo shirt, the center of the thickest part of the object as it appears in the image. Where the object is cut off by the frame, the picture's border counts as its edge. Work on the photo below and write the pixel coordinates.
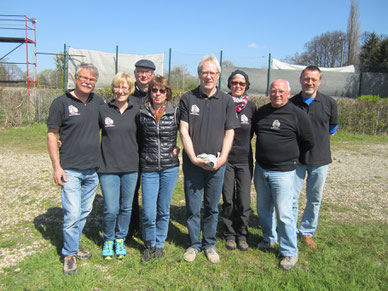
(208, 119)
(139, 96)
(119, 144)
(78, 130)
(241, 151)
(282, 133)
(322, 113)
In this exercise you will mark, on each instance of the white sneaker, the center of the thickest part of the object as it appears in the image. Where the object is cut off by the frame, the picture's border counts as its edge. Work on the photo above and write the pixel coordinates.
(190, 254)
(289, 262)
(212, 255)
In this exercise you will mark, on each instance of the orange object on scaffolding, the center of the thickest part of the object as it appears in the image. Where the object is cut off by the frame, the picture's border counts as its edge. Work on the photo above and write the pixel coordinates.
(23, 32)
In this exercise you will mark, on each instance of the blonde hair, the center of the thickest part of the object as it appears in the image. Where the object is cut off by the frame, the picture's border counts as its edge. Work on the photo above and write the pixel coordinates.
(122, 77)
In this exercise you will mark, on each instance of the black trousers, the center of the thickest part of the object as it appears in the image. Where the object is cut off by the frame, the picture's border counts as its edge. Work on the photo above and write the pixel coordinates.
(236, 195)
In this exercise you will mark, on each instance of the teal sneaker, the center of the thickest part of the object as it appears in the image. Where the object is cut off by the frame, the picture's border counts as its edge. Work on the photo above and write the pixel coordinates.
(120, 248)
(107, 250)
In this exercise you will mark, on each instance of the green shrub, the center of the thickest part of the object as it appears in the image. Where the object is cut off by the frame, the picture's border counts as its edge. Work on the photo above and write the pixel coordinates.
(373, 98)
(363, 116)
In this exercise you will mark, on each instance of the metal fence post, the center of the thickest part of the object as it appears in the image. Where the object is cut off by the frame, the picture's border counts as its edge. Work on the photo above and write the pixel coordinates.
(219, 81)
(269, 73)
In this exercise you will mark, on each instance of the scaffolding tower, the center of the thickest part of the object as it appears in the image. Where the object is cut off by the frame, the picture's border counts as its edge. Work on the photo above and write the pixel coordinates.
(20, 30)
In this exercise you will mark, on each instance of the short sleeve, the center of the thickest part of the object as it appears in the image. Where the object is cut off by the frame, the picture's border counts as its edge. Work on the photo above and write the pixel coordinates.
(232, 120)
(334, 113)
(56, 114)
(183, 109)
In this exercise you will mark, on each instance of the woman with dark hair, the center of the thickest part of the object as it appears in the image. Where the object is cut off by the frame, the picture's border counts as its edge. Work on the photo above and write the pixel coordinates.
(236, 191)
(158, 124)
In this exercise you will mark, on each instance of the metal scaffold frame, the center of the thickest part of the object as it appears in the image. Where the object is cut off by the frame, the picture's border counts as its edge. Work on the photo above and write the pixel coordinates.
(21, 31)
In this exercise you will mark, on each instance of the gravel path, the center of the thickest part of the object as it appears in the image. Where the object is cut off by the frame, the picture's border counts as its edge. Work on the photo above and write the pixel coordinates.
(356, 190)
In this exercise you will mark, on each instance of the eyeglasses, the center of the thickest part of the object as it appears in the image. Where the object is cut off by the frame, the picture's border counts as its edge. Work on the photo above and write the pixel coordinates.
(235, 83)
(212, 74)
(155, 90)
(118, 88)
(144, 72)
(84, 79)
(281, 92)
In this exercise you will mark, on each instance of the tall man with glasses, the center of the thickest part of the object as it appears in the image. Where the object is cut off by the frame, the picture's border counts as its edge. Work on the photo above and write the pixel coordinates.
(144, 71)
(323, 114)
(208, 119)
(74, 117)
(283, 131)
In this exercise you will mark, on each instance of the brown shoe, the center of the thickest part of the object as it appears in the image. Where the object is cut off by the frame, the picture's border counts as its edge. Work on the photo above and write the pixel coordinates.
(69, 265)
(309, 241)
(83, 254)
(230, 244)
(242, 245)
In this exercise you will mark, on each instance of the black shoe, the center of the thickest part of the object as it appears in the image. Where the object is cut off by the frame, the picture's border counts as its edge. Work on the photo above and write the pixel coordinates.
(159, 253)
(148, 252)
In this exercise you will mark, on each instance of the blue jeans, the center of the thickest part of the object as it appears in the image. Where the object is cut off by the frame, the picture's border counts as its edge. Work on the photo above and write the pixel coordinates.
(157, 189)
(118, 190)
(316, 177)
(77, 202)
(275, 191)
(198, 181)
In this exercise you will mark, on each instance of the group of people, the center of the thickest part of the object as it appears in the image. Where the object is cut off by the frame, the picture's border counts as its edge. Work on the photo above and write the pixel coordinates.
(138, 146)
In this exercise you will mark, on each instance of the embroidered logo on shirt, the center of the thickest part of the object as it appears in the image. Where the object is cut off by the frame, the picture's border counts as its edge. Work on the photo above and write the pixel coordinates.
(194, 110)
(244, 119)
(109, 122)
(73, 111)
(276, 125)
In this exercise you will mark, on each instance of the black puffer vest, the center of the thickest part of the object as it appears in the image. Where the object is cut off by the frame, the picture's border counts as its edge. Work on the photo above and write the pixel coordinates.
(158, 140)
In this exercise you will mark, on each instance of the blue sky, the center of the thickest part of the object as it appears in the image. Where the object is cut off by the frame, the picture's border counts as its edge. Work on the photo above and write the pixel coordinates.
(246, 31)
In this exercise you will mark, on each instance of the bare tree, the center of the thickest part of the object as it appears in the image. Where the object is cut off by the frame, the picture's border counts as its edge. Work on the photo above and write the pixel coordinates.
(325, 50)
(181, 79)
(227, 63)
(354, 35)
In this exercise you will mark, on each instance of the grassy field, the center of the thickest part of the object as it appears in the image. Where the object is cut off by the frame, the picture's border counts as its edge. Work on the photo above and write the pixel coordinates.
(352, 254)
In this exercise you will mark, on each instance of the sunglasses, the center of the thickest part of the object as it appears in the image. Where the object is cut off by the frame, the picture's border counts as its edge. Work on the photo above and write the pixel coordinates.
(235, 83)
(155, 90)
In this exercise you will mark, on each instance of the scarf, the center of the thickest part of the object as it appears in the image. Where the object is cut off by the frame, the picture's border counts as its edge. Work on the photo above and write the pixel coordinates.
(240, 103)
(158, 113)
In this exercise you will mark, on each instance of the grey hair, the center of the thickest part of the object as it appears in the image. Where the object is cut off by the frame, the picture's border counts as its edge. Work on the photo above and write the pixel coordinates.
(289, 86)
(288, 83)
(92, 69)
(209, 58)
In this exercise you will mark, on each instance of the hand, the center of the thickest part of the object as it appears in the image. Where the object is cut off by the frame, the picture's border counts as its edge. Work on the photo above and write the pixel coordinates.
(176, 151)
(59, 176)
(203, 164)
(59, 143)
(220, 162)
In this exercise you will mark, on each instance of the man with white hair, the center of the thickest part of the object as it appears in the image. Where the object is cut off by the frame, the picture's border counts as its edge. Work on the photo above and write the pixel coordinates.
(283, 131)
(207, 122)
(74, 117)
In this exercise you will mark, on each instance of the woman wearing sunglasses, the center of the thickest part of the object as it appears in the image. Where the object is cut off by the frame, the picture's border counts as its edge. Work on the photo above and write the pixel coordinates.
(118, 164)
(158, 124)
(236, 191)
